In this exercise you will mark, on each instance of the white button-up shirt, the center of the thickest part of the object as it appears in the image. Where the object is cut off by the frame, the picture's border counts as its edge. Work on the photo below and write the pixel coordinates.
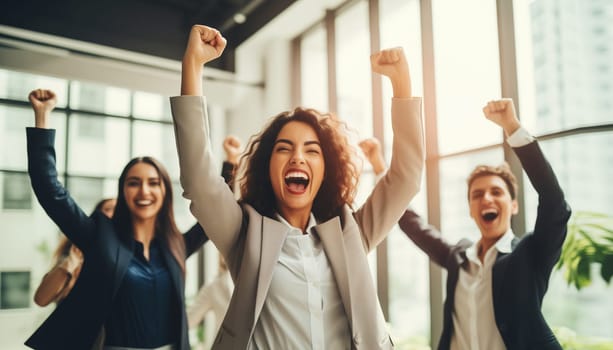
(303, 308)
(474, 324)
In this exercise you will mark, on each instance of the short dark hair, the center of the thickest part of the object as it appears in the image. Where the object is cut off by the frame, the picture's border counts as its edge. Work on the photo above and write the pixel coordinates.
(503, 171)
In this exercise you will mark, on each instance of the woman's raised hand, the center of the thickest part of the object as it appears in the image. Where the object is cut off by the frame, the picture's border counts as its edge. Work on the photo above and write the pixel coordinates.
(43, 102)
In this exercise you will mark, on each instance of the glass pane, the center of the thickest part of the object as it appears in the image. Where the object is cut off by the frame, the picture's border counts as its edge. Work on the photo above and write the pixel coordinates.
(584, 167)
(467, 72)
(13, 123)
(400, 26)
(456, 222)
(157, 140)
(106, 138)
(151, 106)
(17, 86)
(408, 288)
(566, 51)
(14, 290)
(99, 98)
(353, 69)
(183, 216)
(314, 69)
(16, 192)
(87, 192)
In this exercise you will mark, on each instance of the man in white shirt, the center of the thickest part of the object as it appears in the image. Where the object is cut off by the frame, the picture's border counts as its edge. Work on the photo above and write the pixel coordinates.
(495, 286)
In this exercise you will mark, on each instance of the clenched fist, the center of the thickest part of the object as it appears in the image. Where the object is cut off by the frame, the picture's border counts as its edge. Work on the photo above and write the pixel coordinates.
(502, 112)
(393, 64)
(43, 102)
(232, 147)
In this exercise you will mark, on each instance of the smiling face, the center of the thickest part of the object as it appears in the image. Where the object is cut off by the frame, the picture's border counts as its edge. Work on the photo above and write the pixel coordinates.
(144, 192)
(491, 206)
(296, 169)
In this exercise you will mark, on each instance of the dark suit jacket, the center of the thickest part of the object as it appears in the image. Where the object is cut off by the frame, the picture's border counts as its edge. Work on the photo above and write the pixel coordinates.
(76, 321)
(520, 278)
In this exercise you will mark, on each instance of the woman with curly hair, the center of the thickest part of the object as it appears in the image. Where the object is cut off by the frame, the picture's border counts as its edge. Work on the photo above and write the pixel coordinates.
(295, 248)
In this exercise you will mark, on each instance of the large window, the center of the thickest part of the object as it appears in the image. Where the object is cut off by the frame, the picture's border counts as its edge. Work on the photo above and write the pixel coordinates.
(558, 69)
(98, 129)
(564, 61)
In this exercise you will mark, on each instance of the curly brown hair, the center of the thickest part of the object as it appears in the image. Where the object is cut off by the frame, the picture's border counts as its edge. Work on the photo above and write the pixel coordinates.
(503, 171)
(340, 176)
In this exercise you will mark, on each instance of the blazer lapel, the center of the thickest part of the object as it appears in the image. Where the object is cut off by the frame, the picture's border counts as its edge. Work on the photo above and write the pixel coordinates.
(334, 246)
(124, 255)
(273, 237)
(174, 269)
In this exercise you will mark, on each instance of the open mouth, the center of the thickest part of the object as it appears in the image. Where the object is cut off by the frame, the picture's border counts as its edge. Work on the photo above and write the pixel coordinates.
(143, 203)
(296, 181)
(489, 215)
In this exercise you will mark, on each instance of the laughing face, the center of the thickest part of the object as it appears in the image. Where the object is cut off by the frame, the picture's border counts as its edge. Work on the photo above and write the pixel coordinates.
(491, 206)
(296, 169)
(144, 192)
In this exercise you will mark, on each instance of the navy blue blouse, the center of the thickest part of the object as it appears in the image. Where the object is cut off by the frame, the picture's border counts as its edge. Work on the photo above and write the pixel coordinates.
(145, 312)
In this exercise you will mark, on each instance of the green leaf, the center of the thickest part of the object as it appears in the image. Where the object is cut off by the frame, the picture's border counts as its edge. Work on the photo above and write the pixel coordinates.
(606, 270)
(583, 277)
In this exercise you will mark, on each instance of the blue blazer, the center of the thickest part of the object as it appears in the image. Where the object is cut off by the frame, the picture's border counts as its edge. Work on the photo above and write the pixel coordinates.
(78, 319)
(519, 278)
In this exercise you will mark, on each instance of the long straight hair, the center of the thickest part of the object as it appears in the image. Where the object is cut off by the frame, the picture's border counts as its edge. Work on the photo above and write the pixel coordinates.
(165, 225)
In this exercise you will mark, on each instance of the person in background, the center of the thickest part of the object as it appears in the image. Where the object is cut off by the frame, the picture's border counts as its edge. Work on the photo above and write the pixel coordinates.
(495, 286)
(295, 248)
(133, 276)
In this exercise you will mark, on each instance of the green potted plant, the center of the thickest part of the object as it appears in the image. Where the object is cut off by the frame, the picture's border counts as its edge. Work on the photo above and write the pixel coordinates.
(589, 241)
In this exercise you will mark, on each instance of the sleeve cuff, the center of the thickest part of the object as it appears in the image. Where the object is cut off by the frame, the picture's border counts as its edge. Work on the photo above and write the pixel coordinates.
(519, 138)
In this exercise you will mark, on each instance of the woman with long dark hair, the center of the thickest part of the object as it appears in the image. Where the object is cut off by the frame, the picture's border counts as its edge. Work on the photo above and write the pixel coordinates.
(295, 248)
(133, 275)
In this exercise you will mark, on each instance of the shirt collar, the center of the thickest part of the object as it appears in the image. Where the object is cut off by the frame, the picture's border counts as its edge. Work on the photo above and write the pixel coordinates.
(294, 230)
(503, 245)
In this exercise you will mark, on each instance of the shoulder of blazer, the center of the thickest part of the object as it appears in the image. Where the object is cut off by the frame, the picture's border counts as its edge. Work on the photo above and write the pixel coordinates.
(457, 255)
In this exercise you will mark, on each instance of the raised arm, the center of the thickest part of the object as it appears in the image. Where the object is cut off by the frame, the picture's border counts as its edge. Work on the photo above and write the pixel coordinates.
(392, 194)
(426, 237)
(371, 147)
(212, 202)
(56, 283)
(204, 45)
(232, 149)
(51, 194)
(553, 211)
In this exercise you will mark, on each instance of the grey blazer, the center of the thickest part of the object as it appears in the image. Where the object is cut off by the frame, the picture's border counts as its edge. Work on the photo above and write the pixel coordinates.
(251, 243)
